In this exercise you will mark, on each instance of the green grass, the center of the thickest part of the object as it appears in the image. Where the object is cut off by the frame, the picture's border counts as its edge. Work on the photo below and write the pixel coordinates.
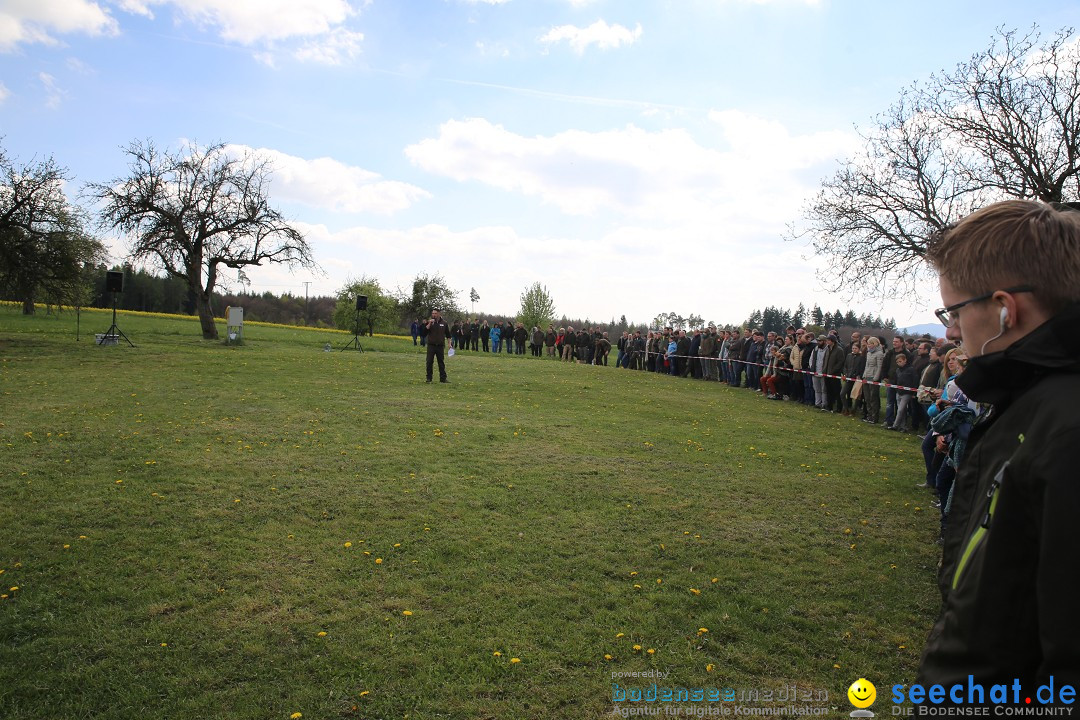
(175, 518)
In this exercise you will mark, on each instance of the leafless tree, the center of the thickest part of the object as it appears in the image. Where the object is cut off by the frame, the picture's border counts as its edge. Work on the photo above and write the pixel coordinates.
(1005, 123)
(193, 211)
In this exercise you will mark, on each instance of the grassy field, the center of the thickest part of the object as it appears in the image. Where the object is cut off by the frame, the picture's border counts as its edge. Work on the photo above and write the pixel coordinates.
(199, 530)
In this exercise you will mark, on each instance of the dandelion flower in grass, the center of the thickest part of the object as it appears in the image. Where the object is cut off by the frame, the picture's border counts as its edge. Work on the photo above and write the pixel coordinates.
(709, 667)
(364, 692)
(13, 588)
(66, 547)
(716, 580)
(378, 561)
(406, 613)
(633, 573)
(296, 716)
(322, 633)
(497, 654)
(637, 648)
(608, 657)
(515, 661)
(636, 586)
(695, 591)
(164, 644)
(618, 635)
(651, 651)
(397, 545)
(702, 630)
(348, 544)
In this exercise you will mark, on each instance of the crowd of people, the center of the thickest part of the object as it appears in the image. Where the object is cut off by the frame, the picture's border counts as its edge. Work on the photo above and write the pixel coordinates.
(830, 373)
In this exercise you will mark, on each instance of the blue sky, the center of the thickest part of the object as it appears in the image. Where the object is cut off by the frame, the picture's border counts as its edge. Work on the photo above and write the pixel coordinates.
(634, 157)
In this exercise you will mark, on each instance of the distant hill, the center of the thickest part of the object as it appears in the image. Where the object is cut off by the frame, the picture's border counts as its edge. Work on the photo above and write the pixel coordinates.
(933, 329)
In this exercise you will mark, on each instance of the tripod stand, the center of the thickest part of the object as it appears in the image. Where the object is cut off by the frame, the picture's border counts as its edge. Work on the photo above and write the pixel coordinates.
(356, 335)
(114, 330)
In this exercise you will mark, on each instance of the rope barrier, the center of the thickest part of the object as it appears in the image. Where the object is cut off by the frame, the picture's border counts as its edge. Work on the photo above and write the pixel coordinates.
(797, 370)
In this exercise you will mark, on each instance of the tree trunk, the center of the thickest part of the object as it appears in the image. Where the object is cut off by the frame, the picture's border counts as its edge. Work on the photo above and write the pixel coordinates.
(28, 307)
(206, 316)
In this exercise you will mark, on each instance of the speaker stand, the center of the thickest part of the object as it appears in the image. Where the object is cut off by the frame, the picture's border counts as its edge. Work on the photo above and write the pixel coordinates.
(355, 342)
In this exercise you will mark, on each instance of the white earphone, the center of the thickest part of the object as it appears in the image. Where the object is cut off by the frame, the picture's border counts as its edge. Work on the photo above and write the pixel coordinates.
(1004, 317)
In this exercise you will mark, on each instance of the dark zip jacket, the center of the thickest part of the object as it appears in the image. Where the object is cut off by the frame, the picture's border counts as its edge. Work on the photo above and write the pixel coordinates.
(1010, 575)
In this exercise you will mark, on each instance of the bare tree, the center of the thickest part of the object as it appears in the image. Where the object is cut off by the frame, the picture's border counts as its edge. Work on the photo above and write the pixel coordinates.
(196, 210)
(43, 243)
(1003, 124)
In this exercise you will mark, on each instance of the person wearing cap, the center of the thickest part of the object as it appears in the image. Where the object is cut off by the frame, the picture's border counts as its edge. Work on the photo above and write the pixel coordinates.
(1009, 279)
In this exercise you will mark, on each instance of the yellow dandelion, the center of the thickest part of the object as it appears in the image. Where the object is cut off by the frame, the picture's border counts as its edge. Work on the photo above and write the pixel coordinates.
(695, 591)
(515, 661)
(835, 666)
(13, 588)
(716, 580)
(348, 544)
(378, 561)
(497, 653)
(406, 613)
(619, 635)
(702, 630)
(164, 644)
(397, 545)
(636, 586)
(365, 692)
(66, 547)
(633, 573)
(637, 648)
(659, 581)
(322, 633)
(651, 651)
(608, 657)
(709, 667)
(296, 716)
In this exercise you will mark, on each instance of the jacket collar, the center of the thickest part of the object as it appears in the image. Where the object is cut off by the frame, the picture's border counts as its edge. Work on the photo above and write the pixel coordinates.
(1053, 347)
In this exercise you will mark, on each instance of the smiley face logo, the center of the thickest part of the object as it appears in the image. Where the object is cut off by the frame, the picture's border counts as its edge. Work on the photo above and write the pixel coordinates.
(862, 693)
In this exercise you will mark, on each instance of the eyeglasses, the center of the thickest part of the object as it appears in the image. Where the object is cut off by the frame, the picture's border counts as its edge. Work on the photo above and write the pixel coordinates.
(947, 315)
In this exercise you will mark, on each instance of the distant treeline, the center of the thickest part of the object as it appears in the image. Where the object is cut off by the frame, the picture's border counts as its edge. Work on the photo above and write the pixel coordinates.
(146, 292)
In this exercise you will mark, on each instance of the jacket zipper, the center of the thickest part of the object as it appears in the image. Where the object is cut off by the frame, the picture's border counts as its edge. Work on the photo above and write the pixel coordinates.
(979, 535)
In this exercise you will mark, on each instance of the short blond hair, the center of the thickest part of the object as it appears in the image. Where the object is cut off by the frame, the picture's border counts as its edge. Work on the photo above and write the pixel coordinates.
(872, 341)
(1009, 243)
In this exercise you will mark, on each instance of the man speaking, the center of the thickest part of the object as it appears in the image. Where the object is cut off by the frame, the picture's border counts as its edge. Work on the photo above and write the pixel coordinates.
(437, 333)
(1010, 283)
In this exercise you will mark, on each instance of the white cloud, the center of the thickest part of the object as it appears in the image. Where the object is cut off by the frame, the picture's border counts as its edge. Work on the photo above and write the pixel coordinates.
(604, 36)
(37, 22)
(53, 94)
(493, 49)
(752, 170)
(332, 185)
(4, 93)
(252, 21)
(332, 48)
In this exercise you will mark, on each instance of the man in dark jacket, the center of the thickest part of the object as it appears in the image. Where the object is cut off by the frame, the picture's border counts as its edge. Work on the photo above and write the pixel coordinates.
(1010, 283)
(437, 333)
